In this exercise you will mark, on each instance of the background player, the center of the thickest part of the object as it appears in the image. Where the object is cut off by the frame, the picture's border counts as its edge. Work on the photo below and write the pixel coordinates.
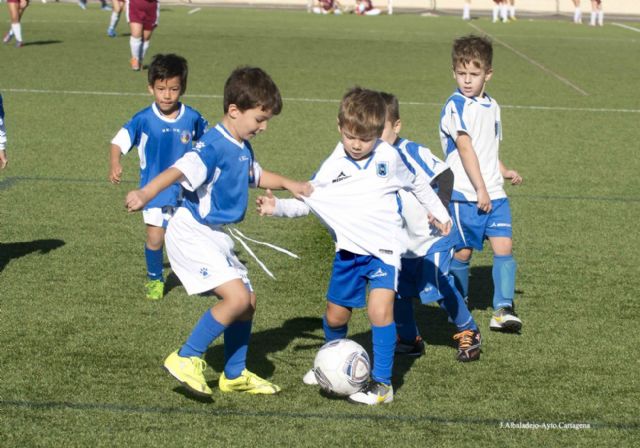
(3, 138)
(116, 10)
(162, 132)
(16, 9)
(216, 177)
(143, 18)
(470, 134)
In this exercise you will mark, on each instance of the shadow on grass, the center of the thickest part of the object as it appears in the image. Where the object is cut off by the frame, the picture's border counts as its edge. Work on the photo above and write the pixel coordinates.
(481, 288)
(42, 42)
(10, 251)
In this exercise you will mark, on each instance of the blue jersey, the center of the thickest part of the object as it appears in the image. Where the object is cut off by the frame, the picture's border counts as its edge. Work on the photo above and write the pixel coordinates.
(160, 142)
(218, 174)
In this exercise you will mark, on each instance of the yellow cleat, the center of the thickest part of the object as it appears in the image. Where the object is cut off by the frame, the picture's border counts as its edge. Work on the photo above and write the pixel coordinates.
(154, 289)
(189, 371)
(248, 382)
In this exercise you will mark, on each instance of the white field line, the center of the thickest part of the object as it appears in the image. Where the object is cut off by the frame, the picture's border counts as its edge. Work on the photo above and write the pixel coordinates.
(195, 10)
(627, 27)
(533, 62)
(318, 100)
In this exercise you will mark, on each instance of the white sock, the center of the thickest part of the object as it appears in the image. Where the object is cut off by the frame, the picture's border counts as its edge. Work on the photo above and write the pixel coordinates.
(577, 15)
(593, 18)
(136, 44)
(495, 13)
(115, 17)
(17, 31)
(600, 18)
(145, 47)
(503, 12)
(512, 12)
(466, 11)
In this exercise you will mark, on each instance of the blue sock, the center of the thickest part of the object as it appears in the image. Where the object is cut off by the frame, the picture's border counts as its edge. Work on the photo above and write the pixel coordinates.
(236, 343)
(454, 305)
(504, 280)
(333, 333)
(202, 335)
(384, 344)
(405, 319)
(154, 263)
(460, 272)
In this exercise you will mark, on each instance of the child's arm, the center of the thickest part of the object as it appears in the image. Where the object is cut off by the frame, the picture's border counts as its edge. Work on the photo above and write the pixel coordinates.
(137, 199)
(472, 168)
(115, 168)
(269, 205)
(273, 181)
(516, 179)
(3, 139)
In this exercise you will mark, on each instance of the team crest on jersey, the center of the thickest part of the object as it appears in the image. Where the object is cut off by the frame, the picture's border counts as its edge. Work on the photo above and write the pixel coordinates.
(382, 169)
(185, 137)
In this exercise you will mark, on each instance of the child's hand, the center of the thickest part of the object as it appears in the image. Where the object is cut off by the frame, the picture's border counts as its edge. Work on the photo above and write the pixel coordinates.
(299, 189)
(516, 179)
(3, 159)
(444, 229)
(266, 205)
(484, 201)
(135, 200)
(115, 173)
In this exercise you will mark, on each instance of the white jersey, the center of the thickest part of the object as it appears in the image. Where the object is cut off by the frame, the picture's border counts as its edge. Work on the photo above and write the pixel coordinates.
(358, 201)
(479, 118)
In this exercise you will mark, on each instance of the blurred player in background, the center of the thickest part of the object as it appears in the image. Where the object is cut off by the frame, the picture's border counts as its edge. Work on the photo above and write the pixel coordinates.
(577, 13)
(466, 10)
(327, 7)
(597, 15)
(16, 9)
(117, 7)
(3, 138)
(103, 5)
(365, 8)
(143, 18)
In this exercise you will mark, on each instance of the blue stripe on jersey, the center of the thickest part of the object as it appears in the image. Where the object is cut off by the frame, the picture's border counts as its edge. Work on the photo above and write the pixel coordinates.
(223, 196)
(413, 149)
(161, 142)
(459, 101)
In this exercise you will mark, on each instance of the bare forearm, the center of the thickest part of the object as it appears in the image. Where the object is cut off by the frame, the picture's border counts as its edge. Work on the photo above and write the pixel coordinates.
(163, 180)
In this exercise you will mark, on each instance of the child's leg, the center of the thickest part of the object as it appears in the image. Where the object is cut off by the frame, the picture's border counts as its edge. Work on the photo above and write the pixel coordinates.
(145, 44)
(403, 316)
(459, 270)
(383, 332)
(453, 303)
(335, 322)
(504, 272)
(236, 342)
(153, 252)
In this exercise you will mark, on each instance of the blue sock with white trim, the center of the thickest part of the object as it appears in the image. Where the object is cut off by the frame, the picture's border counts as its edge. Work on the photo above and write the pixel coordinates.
(333, 333)
(236, 344)
(384, 345)
(460, 272)
(203, 334)
(504, 280)
(154, 263)
(405, 320)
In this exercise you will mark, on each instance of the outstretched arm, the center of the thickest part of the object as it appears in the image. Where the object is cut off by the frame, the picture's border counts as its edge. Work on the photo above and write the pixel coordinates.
(273, 181)
(269, 205)
(137, 199)
(472, 168)
(516, 179)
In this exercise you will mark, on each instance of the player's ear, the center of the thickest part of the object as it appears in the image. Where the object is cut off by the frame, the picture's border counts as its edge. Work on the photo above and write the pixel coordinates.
(150, 88)
(233, 111)
(397, 126)
(338, 123)
(488, 75)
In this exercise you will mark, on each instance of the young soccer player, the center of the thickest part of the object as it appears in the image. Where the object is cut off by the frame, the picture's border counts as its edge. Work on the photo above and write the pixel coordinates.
(3, 138)
(470, 134)
(466, 10)
(425, 265)
(116, 10)
(577, 13)
(16, 9)
(216, 177)
(597, 15)
(355, 195)
(143, 18)
(162, 132)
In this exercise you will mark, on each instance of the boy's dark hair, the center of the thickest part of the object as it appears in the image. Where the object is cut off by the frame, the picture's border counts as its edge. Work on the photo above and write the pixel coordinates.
(393, 107)
(362, 112)
(474, 50)
(166, 66)
(251, 87)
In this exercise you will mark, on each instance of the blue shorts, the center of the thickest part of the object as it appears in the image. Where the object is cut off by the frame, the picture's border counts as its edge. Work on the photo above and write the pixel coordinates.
(475, 225)
(352, 273)
(421, 277)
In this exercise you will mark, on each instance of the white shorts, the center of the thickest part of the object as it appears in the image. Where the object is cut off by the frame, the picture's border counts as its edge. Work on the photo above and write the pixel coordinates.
(201, 256)
(158, 217)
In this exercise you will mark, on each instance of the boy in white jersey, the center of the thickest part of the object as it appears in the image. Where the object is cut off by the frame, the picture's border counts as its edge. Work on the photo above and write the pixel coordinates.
(425, 264)
(162, 132)
(470, 133)
(355, 195)
(3, 138)
(216, 177)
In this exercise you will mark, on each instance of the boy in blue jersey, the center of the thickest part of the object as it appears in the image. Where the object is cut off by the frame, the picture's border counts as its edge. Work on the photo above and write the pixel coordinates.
(162, 132)
(216, 177)
(3, 138)
(425, 265)
(470, 134)
(355, 195)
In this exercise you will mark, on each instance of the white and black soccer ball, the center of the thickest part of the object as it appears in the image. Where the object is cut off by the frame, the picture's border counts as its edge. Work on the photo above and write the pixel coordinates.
(342, 367)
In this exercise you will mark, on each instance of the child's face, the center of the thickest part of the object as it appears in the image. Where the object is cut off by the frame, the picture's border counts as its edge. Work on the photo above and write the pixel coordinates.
(391, 131)
(357, 147)
(244, 125)
(471, 79)
(167, 94)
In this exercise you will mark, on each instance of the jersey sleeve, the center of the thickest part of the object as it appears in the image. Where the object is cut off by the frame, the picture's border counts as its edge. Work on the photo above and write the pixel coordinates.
(123, 141)
(290, 208)
(194, 170)
(452, 122)
(254, 178)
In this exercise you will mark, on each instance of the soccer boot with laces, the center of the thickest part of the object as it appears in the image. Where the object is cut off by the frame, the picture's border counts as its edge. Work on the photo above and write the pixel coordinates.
(413, 348)
(248, 382)
(469, 342)
(373, 394)
(505, 319)
(189, 371)
(309, 378)
(154, 289)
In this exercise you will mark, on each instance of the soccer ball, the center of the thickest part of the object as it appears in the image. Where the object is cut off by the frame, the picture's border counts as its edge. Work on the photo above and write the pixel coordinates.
(342, 367)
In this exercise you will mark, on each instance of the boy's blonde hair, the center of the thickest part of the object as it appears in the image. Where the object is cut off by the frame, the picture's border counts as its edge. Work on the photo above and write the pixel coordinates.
(362, 113)
(393, 106)
(474, 50)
